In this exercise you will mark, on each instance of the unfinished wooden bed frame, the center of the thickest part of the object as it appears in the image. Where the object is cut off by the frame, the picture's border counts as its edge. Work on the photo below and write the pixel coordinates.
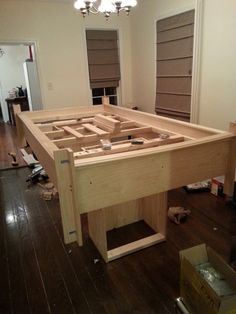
(127, 180)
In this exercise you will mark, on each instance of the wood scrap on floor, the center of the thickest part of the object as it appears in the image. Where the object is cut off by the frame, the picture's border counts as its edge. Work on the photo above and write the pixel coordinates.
(28, 158)
(14, 162)
(177, 214)
(49, 191)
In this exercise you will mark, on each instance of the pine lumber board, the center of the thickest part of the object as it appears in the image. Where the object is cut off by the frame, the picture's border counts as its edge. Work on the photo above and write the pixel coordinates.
(176, 126)
(57, 114)
(110, 123)
(126, 147)
(67, 189)
(73, 132)
(134, 246)
(94, 129)
(160, 171)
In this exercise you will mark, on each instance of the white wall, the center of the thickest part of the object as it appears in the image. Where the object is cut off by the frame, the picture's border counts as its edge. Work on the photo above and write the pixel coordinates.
(217, 90)
(218, 68)
(11, 72)
(59, 32)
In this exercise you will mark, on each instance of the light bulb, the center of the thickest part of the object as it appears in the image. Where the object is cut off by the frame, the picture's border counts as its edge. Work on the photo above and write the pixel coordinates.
(79, 4)
(129, 3)
(106, 6)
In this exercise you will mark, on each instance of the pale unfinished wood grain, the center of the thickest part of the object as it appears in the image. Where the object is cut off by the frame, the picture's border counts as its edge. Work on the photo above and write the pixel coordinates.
(97, 231)
(158, 172)
(134, 246)
(73, 132)
(68, 202)
(135, 177)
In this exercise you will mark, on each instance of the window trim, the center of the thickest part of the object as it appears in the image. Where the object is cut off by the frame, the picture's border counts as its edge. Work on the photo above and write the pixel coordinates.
(104, 94)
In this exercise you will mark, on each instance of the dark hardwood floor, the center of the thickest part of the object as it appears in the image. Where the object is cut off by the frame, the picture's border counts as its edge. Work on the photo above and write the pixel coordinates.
(39, 274)
(8, 144)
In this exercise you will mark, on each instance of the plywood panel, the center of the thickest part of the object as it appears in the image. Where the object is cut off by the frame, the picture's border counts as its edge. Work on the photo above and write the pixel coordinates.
(124, 179)
(97, 231)
(154, 211)
(123, 214)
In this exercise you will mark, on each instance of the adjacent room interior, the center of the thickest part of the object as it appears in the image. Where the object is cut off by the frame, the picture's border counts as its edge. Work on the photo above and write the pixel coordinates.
(117, 159)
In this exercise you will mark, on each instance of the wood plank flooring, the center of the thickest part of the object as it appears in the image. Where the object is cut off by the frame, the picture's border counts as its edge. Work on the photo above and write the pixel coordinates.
(39, 274)
(8, 143)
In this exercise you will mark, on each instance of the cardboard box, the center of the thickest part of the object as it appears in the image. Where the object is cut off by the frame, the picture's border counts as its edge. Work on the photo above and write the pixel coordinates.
(200, 296)
(217, 186)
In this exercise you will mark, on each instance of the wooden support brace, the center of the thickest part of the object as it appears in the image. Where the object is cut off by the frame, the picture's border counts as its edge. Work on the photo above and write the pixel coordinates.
(128, 124)
(66, 186)
(127, 146)
(73, 132)
(105, 100)
(65, 122)
(55, 134)
(94, 129)
(152, 209)
(109, 123)
(19, 126)
(73, 140)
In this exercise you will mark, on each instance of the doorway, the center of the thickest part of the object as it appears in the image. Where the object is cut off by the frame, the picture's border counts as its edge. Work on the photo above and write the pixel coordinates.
(19, 80)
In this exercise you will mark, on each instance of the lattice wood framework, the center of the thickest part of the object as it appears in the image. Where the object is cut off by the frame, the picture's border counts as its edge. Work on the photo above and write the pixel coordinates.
(88, 136)
(117, 165)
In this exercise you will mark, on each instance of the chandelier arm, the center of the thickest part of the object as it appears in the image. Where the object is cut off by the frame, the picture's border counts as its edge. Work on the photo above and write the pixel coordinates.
(93, 10)
(106, 7)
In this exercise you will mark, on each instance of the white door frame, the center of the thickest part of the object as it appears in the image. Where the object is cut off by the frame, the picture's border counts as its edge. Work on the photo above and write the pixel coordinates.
(197, 45)
(3, 108)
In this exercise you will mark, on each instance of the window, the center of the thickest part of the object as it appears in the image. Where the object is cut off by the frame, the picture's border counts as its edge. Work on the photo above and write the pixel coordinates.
(174, 65)
(110, 92)
(103, 63)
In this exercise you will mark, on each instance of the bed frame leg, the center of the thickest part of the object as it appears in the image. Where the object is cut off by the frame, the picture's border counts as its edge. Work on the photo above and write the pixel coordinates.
(19, 126)
(152, 209)
(230, 174)
(105, 100)
(66, 186)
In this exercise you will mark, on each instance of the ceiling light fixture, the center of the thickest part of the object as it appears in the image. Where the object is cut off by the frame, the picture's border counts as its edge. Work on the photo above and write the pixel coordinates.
(106, 6)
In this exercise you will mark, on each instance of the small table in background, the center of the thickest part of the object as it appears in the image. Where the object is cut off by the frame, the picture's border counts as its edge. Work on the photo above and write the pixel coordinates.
(22, 101)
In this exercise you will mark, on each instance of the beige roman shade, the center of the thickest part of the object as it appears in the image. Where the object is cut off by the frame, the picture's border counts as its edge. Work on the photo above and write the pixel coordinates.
(174, 65)
(103, 58)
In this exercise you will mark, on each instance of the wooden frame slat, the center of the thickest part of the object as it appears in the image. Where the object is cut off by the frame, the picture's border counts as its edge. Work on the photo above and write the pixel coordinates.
(73, 132)
(94, 129)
